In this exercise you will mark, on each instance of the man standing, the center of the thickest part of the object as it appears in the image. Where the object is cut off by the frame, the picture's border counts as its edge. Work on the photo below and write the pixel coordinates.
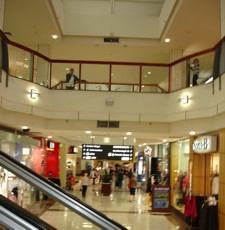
(71, 79)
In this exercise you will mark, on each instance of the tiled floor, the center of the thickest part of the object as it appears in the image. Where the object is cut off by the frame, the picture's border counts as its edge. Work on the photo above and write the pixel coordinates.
(132, 215)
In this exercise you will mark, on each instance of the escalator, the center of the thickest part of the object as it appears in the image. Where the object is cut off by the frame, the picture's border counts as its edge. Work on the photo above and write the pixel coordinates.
(12, 215)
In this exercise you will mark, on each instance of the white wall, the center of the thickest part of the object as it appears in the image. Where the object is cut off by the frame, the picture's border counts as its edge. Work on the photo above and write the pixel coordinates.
(139, 112)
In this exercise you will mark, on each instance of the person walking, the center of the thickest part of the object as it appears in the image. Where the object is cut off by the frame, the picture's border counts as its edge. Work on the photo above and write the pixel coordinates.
(84, 184)
(133, 186)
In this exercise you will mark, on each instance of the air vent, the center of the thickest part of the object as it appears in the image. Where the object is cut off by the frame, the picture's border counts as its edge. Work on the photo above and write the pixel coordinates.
(112, 40)
(102, 124)
(114, 124)
(108, 124)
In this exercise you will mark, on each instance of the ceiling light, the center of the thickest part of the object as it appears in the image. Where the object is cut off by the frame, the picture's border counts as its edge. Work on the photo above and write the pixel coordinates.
(149, 72)
(55, 36)
(164, 140)
(192, 133)
(49, 137)
(167, 40)
(92, 137)
(124, 138)
(106, 140)
(88, 132)
(129, 133)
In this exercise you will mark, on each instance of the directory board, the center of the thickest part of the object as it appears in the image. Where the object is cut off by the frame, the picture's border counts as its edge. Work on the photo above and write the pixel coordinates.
(107, 152)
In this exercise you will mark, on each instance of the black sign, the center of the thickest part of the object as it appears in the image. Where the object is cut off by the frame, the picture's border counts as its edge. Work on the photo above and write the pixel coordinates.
(107, 152)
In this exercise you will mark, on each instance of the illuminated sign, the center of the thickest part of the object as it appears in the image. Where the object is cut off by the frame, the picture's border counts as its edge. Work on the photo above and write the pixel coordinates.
(72, 150)
(205, 144)
(107, 152)
(50, 145)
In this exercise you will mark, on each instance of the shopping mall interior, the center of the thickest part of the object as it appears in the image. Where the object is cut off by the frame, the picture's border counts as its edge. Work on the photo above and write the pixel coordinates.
(146, 98)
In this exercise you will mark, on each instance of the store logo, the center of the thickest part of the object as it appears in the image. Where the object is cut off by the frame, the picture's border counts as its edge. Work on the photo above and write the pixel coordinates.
(205, 144)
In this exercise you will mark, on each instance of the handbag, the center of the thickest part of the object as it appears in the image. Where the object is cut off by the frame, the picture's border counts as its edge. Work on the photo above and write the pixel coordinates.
(128, 185)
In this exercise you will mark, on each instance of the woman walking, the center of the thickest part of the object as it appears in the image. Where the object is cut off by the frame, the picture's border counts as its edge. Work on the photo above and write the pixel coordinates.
(133, 186)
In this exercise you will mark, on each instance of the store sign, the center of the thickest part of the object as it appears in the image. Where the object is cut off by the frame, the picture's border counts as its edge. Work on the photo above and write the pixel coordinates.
(205, 144)
(50, 145)
(107, 152)
(72, 150)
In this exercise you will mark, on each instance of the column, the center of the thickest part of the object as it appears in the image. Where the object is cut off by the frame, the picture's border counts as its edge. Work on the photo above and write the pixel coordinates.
(177, 81)
(2, 6)
(221, 209)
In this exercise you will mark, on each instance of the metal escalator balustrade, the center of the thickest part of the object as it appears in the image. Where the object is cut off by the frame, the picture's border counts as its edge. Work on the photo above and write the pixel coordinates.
(59, 194)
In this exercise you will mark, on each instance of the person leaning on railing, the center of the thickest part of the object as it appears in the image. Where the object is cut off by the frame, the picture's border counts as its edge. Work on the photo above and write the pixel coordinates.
(71, 80)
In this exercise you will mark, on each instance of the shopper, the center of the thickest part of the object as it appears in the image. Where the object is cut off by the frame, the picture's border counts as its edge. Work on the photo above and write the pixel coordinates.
(195, 68)
(84, 184)
(133, 186)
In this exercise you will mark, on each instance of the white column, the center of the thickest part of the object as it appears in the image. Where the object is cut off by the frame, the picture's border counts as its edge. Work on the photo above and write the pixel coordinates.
(177, 80)
(222, 13)
(42, 65)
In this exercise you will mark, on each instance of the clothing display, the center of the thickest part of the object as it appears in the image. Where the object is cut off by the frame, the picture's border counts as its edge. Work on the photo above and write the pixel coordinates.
(215, 184)
(190, 207)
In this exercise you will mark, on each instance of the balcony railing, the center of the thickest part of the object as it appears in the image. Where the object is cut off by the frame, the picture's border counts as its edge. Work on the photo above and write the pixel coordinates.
(32, 66)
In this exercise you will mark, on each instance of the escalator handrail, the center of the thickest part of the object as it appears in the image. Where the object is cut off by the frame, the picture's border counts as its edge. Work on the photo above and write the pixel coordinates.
(59, 194)
(24, 214)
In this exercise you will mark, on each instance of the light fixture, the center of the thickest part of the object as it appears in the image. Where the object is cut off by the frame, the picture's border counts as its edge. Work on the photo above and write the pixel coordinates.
(184, 99)
(167, 40)
(106, 140)
(34, 94)
(55, 36)
(192, 133)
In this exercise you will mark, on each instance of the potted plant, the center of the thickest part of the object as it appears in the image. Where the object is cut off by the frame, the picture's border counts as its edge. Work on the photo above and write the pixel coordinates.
(106, 183)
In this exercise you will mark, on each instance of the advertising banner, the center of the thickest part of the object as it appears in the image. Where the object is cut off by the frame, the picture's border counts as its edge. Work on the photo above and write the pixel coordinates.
(160, 198)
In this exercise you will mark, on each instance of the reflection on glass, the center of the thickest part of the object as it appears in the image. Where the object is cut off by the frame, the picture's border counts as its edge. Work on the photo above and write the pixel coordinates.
(95, 73)
(40, 204)
(155, 76)
(19, 63)
(125, 74)
(41, 71)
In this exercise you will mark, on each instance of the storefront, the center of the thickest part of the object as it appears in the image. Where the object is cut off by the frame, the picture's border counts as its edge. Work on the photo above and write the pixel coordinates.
(156, 165)
(180, 151)
(21, 148)
(195, 177)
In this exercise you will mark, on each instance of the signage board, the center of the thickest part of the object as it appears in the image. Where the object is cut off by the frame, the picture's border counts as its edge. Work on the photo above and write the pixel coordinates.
(72, 150)
(107, 152)
(50, 145)
(161, 198)
(205, 144)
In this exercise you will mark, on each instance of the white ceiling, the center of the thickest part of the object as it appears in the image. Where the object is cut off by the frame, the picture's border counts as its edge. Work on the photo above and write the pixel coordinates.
(141, 25)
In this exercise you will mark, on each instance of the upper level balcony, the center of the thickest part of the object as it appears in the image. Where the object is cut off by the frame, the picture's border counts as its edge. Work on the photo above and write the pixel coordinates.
(32, 66)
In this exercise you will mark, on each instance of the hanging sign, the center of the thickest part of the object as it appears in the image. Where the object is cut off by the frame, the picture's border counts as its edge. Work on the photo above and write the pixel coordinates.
(205, 144)
(107, 152)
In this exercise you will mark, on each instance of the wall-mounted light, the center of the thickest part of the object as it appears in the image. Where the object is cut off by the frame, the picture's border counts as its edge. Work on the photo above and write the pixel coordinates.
(184, 99)
(34, 94)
